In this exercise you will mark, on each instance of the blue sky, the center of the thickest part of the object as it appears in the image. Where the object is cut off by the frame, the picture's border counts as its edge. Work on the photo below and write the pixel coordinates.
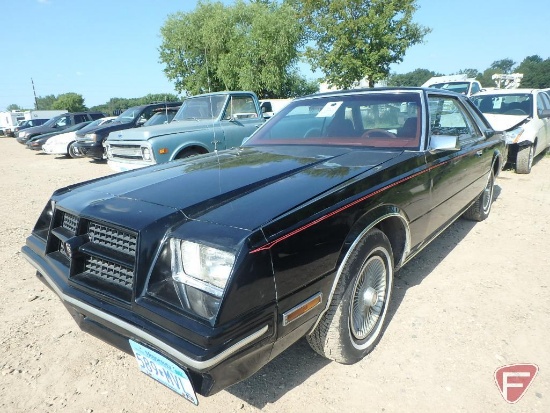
(109, 48)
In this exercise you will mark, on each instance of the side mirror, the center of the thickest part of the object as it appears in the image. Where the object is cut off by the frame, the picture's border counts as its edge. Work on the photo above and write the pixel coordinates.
(545, 113)
(489, 133)
(443, 143)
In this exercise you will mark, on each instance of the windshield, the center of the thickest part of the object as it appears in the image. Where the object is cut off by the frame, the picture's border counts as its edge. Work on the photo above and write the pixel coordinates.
(458, 87)
(129, 115)
(378, 120)
(204, 107)
(518, 104)
(93, 125)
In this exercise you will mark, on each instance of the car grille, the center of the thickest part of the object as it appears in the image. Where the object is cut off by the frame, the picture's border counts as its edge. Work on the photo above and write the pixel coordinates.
(99, 256)
(120, 151)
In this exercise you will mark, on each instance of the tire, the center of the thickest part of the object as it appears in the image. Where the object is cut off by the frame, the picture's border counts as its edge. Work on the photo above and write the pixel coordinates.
(524, 159)
(482, 206)
(354, 321)
(72, 152)
(187, 153)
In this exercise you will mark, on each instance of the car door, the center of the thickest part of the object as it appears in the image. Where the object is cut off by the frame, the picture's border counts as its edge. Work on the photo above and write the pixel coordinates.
(543, 103)
(240, 119)
(458, 175)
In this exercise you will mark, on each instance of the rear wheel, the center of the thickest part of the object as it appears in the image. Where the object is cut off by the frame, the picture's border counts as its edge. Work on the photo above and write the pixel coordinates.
(524, 159)
(352, 326)
(482, 207)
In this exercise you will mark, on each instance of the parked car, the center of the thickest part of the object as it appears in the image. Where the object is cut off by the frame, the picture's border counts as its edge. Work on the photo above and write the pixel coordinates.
(28, 124)
(35, 143)
(208, 267)
(63, 143)
(525, 115)
(162, 116)
(204, 123)
(455, 83)
(91, 143)
(58, 123)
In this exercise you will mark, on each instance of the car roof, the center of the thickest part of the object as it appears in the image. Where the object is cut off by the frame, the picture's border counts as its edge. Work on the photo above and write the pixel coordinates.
(383, 90)
(505, 91)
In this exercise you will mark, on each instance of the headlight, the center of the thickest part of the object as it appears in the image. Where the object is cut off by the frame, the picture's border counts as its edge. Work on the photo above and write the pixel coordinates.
(146, 154)
(200, 266)
(22, 134)
(191, 276)
(94, 137)
(513, 136)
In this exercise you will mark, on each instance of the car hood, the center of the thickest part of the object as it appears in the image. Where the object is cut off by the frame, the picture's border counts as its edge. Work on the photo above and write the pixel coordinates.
(505, 122)
(144, 133)
(244, 187)
(106, 129)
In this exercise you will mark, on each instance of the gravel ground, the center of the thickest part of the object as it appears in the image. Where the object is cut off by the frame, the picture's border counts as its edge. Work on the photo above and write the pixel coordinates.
(476, 299)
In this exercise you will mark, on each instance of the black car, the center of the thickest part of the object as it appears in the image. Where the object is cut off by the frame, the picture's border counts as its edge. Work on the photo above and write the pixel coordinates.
(26, 124)
(207, 268)
(36, 142)
(91, 144)
(58, 123)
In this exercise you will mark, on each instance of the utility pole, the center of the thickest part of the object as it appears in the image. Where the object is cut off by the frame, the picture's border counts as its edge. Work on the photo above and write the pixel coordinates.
(34, 91)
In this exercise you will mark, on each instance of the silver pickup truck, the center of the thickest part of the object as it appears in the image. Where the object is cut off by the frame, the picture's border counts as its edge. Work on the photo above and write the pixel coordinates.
(204, 123)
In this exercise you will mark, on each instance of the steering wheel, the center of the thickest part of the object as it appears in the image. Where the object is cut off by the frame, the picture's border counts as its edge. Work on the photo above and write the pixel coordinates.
(312, 132)
(368, 134)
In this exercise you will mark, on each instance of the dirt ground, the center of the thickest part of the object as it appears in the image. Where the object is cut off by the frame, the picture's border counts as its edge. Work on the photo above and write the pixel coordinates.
(476, 299)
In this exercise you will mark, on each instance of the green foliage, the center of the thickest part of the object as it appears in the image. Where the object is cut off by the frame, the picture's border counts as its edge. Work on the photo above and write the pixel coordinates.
(415, 78)
(471, 73)
(120, 104)
(503, 66)
(71, 102)
(13, 106)
(45, 102)
(245, 46)
(354, 39)
(536, 72)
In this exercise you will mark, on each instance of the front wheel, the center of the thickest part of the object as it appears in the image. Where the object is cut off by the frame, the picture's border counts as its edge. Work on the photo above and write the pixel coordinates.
(352, 326)
(524, 159)
(72, 151)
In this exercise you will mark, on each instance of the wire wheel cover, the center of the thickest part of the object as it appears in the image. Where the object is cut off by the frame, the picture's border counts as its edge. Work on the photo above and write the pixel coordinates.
(369, 297)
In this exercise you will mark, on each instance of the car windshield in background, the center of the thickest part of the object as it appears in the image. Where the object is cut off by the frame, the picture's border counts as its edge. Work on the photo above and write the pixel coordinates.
(128, 115)
(52, 121)
(207, 107)
(379, 120)
(519, 104)
(458, 87)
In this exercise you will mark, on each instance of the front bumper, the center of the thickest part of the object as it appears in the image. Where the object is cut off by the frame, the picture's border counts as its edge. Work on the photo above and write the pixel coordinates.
(90, 150)
(209, 372)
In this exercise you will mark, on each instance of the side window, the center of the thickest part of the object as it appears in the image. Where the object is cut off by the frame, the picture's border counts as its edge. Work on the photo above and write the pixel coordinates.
(475, 87)
(62, 122)
(80, 118)
(241, 107)
(144, 117)
(543, 102)
(96, 116)
(448, 117)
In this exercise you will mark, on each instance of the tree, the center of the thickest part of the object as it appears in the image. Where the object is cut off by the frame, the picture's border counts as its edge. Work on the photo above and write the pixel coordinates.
(471, 73)
(503, 66)
(13, 106)
(354, 39)
(536, 72)
(72, 102)
(45, 102)
(251, 46)
(415, 78)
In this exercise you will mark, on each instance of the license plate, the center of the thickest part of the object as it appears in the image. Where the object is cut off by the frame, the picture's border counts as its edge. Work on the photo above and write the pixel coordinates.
(164, 371)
